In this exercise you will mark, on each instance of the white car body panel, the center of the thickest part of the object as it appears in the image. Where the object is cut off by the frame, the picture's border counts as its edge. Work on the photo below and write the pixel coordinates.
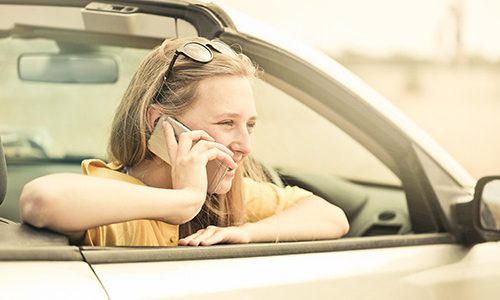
(49, 280)
(416, 272)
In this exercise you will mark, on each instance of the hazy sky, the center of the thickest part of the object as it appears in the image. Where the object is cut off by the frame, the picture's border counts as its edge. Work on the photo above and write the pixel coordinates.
(423, 27)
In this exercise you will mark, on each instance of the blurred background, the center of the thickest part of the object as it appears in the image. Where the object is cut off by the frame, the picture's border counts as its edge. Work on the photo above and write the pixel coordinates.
(437, 60)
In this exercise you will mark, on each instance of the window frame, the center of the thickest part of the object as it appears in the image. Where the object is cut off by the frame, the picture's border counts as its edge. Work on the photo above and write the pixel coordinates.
(351, 113)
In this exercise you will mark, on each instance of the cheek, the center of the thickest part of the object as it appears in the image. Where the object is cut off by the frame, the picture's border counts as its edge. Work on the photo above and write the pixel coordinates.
(213, 130)
(219, 135)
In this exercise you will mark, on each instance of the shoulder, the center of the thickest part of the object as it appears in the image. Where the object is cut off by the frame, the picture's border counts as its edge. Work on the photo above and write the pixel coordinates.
(259, 190)
(99, 168)
(97, 163)
(252, 187)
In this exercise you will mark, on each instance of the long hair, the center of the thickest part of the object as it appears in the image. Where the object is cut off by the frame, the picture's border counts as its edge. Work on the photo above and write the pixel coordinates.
(130, 132)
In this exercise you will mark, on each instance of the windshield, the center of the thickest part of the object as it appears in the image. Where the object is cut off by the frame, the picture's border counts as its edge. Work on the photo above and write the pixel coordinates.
(57, 120)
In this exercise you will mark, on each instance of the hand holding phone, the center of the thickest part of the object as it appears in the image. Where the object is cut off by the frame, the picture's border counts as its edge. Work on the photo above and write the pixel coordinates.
(157, 144)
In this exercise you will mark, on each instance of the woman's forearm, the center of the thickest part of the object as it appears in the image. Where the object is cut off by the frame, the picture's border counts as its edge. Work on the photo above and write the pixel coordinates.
(311, 218)
(72, 202)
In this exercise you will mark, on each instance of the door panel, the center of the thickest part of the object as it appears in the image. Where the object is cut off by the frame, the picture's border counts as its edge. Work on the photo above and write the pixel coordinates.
(49, 280)
(348, 274)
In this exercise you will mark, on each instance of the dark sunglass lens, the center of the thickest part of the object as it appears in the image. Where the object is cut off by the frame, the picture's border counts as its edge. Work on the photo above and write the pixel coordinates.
(198, 52)
(222, 47)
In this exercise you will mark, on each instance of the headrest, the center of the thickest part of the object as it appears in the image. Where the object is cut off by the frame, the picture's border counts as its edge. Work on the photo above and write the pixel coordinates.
(3, 174)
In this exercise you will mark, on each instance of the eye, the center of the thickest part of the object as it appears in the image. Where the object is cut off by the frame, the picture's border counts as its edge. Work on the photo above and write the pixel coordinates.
(226, 123)
(251, 126)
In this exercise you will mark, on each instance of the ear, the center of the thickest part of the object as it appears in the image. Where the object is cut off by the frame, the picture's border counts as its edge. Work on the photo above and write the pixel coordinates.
(152, 115)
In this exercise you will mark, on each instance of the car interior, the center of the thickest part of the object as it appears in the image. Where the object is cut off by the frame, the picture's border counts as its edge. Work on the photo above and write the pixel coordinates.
(3, 177)
(51, 61)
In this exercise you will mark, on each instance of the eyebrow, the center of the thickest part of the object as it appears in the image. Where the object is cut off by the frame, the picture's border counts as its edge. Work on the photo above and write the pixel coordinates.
(233, 115)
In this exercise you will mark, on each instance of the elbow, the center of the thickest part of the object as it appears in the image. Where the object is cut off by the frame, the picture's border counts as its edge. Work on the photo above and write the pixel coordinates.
(340, 222)
(333, 220)
(178, 219)
(34, 203)
(188, 209)
(344, 225)
(182, 216)
(186, 215)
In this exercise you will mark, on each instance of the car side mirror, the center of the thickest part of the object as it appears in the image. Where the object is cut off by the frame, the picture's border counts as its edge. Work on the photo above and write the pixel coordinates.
(488, 195)
(479, 220)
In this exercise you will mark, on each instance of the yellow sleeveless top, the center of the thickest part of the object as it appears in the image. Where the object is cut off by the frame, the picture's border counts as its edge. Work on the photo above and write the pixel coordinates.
(261, 201)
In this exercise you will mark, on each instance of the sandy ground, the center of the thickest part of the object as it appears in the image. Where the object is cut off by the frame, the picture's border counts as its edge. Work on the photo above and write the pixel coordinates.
(459, 107)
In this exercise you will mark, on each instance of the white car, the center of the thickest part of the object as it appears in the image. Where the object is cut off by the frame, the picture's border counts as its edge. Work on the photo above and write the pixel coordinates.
(416, 231)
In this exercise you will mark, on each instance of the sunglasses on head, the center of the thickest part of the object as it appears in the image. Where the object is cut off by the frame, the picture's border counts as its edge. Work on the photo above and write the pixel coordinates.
(197, 51)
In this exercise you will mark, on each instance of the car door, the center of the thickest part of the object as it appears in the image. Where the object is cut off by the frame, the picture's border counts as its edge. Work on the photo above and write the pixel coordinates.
(328, 267)
(292, 269)
(40, 264)
(414, 264)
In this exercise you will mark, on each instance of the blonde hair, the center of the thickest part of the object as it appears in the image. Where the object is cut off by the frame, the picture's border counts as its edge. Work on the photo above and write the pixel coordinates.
(130, 132)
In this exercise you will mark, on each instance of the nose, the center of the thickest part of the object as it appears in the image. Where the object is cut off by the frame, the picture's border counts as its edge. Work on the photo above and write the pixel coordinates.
(241, 143)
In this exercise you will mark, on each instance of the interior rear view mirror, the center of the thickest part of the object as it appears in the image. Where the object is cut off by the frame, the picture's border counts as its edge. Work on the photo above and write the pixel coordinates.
(68, 68)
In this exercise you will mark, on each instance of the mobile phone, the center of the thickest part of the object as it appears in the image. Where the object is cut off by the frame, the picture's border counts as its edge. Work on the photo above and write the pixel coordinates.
(157, 144)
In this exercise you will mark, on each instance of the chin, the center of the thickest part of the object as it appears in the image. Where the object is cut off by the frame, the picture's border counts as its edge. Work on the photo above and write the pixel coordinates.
(224, 186)
(225, 183)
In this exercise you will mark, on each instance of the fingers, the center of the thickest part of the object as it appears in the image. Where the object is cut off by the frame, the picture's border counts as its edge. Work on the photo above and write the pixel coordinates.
(187, 139)
(185, 241)
(214, 153)
(198, 142)
(198, 237)
(209, 232)
(214, 235)
(216, 238)
(206, 145)
(169, 133)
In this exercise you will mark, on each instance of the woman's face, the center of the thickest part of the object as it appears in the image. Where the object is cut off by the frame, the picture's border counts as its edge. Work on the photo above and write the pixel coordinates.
(225, 109)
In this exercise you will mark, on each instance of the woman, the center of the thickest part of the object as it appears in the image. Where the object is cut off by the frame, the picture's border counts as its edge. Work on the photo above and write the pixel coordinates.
(206, 86)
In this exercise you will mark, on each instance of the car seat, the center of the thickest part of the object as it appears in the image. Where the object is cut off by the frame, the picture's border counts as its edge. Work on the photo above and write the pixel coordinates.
(3, 181)
(15, 234)
(3, 174)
